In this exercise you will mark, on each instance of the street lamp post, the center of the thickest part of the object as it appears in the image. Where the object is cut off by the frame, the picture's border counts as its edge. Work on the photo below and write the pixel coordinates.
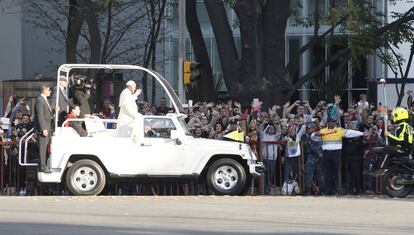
(382, 80)
(181, 49)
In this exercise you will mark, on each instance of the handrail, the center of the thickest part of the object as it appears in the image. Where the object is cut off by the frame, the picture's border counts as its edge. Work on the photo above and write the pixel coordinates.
(20, 149)
(25, 151)
(92, 119)
(66, 68)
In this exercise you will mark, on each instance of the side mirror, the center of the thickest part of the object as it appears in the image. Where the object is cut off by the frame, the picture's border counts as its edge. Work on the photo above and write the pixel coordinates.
(175, 135)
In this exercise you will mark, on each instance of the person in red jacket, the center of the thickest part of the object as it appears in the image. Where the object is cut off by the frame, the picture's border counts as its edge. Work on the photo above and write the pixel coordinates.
(74, 113)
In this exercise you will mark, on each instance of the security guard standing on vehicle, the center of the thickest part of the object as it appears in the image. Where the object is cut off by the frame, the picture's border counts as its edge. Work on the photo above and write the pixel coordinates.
(402, 138)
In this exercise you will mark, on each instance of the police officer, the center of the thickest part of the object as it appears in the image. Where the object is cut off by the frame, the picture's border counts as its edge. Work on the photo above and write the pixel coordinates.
(313, 151)
(332, 150)
(402, 138)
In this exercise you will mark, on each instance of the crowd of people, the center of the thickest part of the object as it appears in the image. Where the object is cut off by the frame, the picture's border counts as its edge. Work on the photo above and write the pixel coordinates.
(357, 129)
(326, 137)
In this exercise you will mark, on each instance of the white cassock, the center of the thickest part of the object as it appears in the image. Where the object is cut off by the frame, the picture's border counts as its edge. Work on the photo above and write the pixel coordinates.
(128, 113)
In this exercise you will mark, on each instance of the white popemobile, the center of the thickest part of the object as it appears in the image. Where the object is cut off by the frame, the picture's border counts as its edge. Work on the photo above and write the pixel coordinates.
(158, 147)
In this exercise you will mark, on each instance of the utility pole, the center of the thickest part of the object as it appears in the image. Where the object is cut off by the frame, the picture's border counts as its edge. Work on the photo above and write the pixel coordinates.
(181, 49)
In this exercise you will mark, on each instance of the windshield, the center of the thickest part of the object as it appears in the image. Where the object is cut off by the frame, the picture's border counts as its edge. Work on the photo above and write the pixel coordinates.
(170, 90)
(184, 126)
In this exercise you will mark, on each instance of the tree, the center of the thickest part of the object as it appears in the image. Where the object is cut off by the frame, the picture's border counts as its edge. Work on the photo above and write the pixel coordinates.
(394, 60)
(92, 31)
(156, 9)
(205, 86)
(261, 70)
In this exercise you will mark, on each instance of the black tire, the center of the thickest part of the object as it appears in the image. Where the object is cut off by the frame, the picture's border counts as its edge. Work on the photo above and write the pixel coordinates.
(247, 188)
(231, 180)
(85, 178)
(391, 188)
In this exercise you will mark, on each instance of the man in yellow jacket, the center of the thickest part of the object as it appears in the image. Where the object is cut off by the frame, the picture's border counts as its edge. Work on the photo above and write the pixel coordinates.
(402, 138)
(332, 151)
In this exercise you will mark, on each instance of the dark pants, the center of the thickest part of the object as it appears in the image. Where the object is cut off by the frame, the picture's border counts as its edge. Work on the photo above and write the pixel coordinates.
(43, 143)
(331, 163)
(312, 169)
(369, 180)
(270, 174)
(292, 168)
(353, 171)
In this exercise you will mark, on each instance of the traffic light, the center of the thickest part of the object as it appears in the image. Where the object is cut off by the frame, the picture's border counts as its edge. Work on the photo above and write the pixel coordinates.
(191, 72)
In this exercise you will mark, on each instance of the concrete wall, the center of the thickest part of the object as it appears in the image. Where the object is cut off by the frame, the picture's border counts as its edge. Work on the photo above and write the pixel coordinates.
(11, 51)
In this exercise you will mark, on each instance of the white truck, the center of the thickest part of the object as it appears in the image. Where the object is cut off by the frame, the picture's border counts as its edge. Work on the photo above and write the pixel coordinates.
(158, 147)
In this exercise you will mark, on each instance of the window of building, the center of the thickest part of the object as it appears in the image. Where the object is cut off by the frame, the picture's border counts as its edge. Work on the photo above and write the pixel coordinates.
(312, 6)
(294, 47)
(317, 56)
(203, 15)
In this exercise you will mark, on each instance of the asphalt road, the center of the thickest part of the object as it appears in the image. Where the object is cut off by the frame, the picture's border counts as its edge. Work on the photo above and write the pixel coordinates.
(205, 215)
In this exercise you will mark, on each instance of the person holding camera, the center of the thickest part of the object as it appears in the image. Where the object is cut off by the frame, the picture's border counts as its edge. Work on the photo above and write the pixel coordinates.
(301, 108)
(82, 97)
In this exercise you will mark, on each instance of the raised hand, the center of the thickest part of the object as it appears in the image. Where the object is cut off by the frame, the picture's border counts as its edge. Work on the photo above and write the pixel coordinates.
(338, 99)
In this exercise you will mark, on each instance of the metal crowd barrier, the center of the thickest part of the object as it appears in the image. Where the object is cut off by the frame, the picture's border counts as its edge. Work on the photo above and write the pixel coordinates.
(14, 178)
(273, 181)
(279, 177)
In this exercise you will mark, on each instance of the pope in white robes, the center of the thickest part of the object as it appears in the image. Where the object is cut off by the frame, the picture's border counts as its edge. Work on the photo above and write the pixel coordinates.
(128, 112)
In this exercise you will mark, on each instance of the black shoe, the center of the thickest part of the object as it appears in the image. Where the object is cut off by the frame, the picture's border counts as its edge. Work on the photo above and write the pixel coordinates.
(307, 193)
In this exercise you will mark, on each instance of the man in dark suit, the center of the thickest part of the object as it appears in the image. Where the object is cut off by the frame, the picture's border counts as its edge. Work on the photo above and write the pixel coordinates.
(63, 102)
(43, 125)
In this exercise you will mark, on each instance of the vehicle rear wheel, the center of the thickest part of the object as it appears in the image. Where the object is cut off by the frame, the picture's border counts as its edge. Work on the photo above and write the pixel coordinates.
(226, 177)
(85, 178)
(392, 187)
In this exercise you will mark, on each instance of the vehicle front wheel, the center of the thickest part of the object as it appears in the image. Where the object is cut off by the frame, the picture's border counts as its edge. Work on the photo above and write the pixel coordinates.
(392, 186)
(226, 177)
(85, 178)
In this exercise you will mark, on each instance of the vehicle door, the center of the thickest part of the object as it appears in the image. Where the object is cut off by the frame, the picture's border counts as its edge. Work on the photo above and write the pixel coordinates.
(120, 152)
(161, 154)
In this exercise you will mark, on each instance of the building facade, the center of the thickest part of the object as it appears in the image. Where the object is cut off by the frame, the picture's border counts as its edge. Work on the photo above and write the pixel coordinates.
(27, 52)
(296, 36)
